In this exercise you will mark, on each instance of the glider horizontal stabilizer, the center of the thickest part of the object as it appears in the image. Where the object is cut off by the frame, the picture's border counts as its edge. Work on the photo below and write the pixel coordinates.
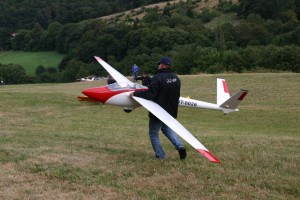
(235, 100)
(170, 121)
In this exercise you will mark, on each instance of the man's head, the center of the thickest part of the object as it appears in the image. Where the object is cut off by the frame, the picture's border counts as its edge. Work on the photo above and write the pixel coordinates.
(165, 62)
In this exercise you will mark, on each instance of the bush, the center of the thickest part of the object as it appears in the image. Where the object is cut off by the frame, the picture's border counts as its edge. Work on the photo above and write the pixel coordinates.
(12, 73)
(214, 69)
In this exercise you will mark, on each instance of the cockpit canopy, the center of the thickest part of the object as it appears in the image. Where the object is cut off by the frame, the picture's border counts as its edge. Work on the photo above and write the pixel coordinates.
(125, 86)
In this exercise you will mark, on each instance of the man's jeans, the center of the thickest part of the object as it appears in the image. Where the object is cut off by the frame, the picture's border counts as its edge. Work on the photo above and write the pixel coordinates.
(135, 75)
(154, 126)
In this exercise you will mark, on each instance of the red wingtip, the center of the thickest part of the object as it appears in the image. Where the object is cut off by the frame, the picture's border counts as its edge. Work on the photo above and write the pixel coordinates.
(97, 58)
(209, 156)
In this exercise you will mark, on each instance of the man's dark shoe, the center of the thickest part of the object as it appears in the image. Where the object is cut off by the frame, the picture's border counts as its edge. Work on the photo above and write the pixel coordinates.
(182, 153)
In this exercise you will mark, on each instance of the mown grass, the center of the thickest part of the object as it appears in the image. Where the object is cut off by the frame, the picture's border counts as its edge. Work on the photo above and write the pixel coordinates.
(54, 147)
(31, 60)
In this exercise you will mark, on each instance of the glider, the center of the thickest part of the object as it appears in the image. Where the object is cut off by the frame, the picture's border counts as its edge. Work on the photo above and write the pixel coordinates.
(118, 94)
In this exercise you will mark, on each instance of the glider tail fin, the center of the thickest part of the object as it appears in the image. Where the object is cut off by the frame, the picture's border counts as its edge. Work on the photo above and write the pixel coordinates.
(222, 91)
(224, 101)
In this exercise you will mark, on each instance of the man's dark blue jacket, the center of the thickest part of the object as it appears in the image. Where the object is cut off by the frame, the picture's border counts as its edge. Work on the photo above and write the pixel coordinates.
(164, 89)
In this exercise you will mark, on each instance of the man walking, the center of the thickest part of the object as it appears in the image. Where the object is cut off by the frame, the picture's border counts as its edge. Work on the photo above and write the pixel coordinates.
(135, 70)
(164, 89)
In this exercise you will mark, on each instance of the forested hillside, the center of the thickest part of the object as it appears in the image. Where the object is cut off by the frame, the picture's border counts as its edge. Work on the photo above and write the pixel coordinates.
(260, 36)
(16, 14)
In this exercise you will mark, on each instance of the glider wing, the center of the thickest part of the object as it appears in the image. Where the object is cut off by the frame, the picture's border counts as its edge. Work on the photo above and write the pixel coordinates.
(166, 118)
(114, 73)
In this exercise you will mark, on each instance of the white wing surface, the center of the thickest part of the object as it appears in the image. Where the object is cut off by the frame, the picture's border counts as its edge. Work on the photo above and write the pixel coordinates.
(114, 73)
(170, 121)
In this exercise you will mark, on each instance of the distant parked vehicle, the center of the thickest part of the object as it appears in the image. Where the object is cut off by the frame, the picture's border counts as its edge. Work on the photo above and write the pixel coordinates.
(89, 78)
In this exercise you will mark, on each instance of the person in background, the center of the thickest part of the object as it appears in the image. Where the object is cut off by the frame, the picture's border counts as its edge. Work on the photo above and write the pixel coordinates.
(164, 89)
(135, 71)
(145, 79)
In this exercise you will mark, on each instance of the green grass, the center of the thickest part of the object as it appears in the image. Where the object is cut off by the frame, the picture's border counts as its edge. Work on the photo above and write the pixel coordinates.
(31, 60)
(53, 146)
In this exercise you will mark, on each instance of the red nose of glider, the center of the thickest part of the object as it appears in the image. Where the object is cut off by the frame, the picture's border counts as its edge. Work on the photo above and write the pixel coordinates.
(90, 92)
(99, 94)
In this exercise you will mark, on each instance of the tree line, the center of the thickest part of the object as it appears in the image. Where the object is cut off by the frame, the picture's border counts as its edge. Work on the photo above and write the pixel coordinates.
(264, 36)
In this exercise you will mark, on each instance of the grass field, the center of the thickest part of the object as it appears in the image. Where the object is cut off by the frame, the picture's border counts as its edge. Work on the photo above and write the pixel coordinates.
(54, 147)
(31, 60)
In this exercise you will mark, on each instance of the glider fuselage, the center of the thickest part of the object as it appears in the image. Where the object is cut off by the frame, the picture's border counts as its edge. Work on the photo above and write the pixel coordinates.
(115, 94)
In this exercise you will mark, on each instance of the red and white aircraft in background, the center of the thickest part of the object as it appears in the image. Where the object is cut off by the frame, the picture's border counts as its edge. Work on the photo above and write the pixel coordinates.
(118, 94)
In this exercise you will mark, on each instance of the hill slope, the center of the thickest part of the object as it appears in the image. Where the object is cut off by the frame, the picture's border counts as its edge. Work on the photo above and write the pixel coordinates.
(137, 13)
